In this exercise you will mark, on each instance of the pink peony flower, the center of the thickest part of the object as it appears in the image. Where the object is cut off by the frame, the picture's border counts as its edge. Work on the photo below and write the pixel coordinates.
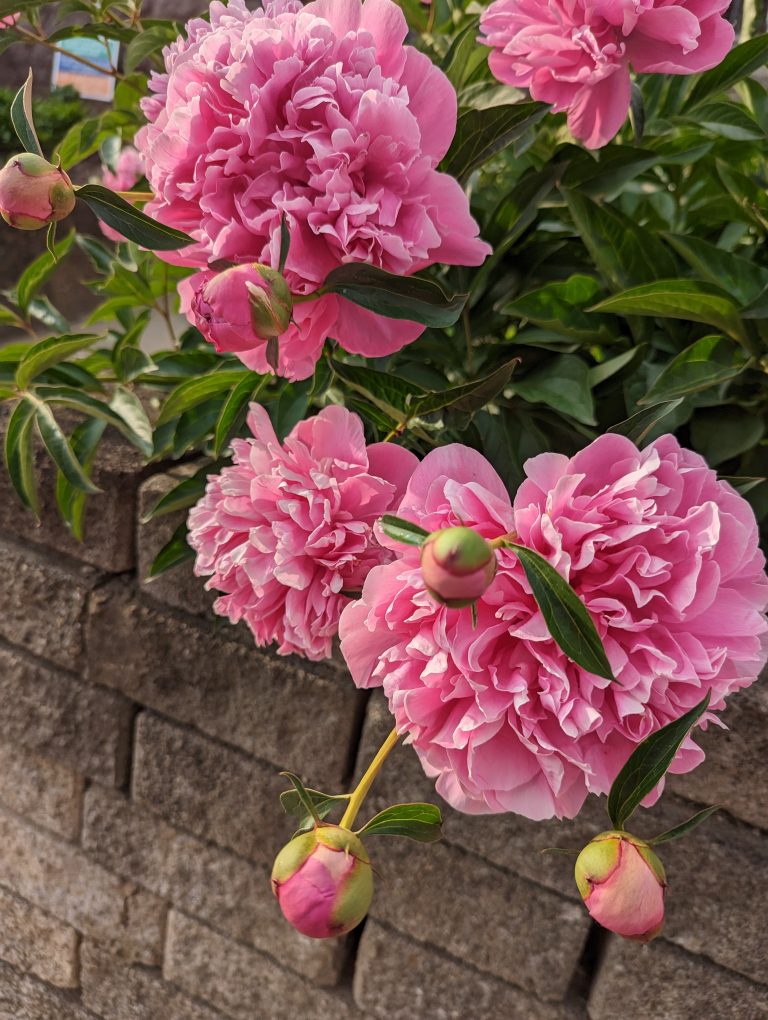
(129, 169)
(287, 529)
(666, 559)
(576, 54)
(322, 114)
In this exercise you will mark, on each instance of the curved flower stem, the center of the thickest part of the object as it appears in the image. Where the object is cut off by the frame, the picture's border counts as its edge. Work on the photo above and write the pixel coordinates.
(42, 41)
(136, 196)
(362, 788)
(503, 541)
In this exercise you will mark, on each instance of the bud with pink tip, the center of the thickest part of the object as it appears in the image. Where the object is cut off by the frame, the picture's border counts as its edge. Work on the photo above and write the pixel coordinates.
(242, 306)
(323, 881)
(457, 565)
(9, 20)
(622, 882)
(34, 192)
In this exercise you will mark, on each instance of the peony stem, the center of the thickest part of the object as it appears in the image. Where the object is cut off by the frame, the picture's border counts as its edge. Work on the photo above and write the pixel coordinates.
(362, 788)
(503, 541)
(135, 196)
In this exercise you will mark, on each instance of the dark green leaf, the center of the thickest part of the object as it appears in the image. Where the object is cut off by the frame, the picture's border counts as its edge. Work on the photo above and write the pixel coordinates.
(741, 62)
(480, 134)
(71, 501)
(738, 276)
(641, 425)
(195, 391)
(175, 552)
(648, 764)
(285, 243)
(135, 424)
(708, 362)
(400, 530)
(396, 397)
(565, 615)
(685, 827)
(148, 43)
(302, 795)
(50, 352)
(422, 822)
(130, 222)
(397, 297)
(323, 803)
(78, 400)
(19, 454)
(470, 397)
(721, 433)
(39, 272)
(560, 306)
(235, 409)
(561, 382)
(21, 117)
(58, 446)
(183, 495)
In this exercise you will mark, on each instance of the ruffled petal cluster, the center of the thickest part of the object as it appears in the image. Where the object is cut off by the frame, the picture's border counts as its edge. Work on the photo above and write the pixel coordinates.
(577, 54)
(287, 529)
(664, 555)
(320, 114)
(128, 170)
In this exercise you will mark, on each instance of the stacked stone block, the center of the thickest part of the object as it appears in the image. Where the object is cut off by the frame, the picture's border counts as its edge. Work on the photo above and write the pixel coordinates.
(141, 741)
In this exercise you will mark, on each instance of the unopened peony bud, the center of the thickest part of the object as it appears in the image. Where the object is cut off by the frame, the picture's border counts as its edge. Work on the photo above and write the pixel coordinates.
(323, 882)
(457, 565)
(243, 306)
(622, 882)
(34, 193)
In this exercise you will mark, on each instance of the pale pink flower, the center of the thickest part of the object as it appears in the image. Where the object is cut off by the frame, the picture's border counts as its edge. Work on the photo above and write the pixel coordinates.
(577, 54)
(666, 559)
(287, 529)
(323, 115)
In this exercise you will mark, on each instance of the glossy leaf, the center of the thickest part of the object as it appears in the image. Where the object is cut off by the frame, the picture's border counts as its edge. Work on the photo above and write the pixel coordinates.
(562, 382)
(70, 500)
(421, 822)
(19, 454)
(641, 425)
(565, 615)
(235, 409)
(175, 552)
(50, 352)
(708, 362)
(40, 270)
(130, 221)
(197, 390)
(685, 827)
(59, 448)
(648, 764)
(480, 134)
(22, 119)
(397, 297)
(401, 530)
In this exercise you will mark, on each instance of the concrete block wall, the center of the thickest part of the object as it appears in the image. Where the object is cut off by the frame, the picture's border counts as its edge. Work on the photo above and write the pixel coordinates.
(140, 745)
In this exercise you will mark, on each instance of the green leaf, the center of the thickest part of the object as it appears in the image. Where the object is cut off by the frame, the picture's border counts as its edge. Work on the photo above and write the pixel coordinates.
(647, 765)
(130, 222)
(562, 382)
(560, 307)
(721, 433)
(195, 391)
(565, 615)
(302, 795)
(78, 400)
(641, 425)
(741, 62)
(19, 454)
(285, 243)
(50, 352)
(422, 822)
(469, 397)
(235, 409)
(39, 272)
(323, 803)
(22, 120)
(480, 134)
(396, 397)
(400, 530)
(71, 501)
(397, 297)
(738, 276)
(175, 552)
(135, 424)
(679, 299)
(685, 827)
(708, 362)
(58, 446)
(148, 43)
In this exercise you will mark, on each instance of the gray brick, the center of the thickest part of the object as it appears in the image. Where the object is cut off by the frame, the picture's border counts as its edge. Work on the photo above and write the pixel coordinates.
(34, 942)
(478, 913)
(46, 792)
(110, 516)
(225, 891)
(660, 981)
(206, 674)
(241, 982)
(734, 755)
(73, 722)
(178, 587)
(43, 604)
(61, 880)
(399, 979)
(24, 998)
(119, 992)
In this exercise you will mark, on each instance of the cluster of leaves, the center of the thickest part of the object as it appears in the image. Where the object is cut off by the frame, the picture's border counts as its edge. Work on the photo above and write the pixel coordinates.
(54, 116)
(628, 290)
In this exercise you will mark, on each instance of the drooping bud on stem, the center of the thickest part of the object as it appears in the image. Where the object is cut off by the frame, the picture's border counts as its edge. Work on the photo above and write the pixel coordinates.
(458, 565)
(243, 306)
(623, 884)
(34, 192)
(323, 881)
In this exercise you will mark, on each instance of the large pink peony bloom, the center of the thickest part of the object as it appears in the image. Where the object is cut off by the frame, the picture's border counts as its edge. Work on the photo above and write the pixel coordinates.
(322, 114)
(576, 54)
(287, 529)
(664, 555)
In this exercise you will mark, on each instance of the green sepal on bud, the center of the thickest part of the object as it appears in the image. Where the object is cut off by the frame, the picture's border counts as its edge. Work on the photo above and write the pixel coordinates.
(271, 302)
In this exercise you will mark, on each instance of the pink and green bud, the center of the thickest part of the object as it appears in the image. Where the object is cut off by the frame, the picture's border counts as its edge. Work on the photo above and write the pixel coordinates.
(457, 565)
(34, 192)
(323, 881)
(242, 306)
(623, 884)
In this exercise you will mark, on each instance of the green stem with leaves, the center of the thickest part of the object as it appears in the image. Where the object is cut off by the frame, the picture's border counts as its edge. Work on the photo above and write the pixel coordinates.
(362, 788)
